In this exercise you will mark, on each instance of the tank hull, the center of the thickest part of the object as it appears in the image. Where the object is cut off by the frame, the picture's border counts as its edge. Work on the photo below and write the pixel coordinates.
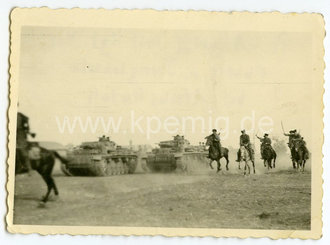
(161, 163)
(100, 165)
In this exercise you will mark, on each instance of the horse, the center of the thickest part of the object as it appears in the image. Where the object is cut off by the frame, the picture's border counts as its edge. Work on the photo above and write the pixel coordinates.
(293, 152)
(300, 156)
(43, 161)
(215, 154)
(246, 158)
(269, 155)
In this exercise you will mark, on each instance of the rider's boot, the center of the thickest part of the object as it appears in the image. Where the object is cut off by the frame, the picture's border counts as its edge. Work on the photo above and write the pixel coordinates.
(238, 157)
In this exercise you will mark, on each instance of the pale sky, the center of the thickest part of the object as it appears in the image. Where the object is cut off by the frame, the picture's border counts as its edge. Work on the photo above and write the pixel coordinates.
(111, 72)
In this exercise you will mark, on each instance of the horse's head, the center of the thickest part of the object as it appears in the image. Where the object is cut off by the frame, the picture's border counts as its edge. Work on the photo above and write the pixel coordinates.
(208, 141)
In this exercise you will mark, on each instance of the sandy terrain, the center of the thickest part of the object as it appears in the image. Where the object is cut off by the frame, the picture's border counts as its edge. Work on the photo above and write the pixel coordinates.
(279, 199)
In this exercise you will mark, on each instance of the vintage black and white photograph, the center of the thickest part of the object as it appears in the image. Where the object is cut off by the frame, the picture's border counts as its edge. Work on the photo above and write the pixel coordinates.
(166, 122)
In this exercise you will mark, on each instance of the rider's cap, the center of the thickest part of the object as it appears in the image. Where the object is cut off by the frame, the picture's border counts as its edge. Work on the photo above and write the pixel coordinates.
(243, 130)
(295, 130)
(214, 130)
(266, 134)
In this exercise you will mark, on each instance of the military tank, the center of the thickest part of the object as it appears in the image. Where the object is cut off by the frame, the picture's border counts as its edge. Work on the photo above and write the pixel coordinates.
(175, 155)
(100, 158)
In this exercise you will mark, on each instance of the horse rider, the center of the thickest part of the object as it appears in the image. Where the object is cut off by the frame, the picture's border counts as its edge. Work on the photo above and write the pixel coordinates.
(215, 139)
(265, 141)
(294, 137)
(22, 131)
(298, 141)
(244, 140)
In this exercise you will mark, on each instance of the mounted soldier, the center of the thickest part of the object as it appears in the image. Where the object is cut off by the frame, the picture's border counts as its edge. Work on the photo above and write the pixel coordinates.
(215, 139)
(22, 132)
(29, 155)
(294, 137)
(298, 141)
(265, 142)
(298, 148)
(244, 140)
(216, 151)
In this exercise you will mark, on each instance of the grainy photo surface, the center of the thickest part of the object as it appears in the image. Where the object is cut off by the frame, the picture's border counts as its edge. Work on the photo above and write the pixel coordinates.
(159, 122)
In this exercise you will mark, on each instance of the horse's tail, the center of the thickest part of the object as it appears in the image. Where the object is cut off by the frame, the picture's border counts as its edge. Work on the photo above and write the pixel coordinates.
(275, 155)
(225, 152)
(58, 156)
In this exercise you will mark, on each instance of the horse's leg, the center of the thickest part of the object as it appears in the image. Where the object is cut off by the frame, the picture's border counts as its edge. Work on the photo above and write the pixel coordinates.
(211, 161)
(219, 165)
(298, 165)
(302, 159)
(299, 160)
(227, 162)
(294, 163)
(49, 187)
(45, 171)
(54, 186)
(293, 158)
(247, 167)
(254, 168)
(240, 157)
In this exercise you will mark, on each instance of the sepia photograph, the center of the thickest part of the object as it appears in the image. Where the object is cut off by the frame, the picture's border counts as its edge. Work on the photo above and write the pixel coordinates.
(174, 123)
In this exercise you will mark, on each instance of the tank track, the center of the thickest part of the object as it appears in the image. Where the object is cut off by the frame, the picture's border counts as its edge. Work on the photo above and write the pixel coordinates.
(103, 167)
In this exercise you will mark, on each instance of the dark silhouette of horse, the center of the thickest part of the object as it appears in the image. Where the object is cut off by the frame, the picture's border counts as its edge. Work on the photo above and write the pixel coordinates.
(43, 161)
(300, 156)
(215, 154)
(269, 155)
